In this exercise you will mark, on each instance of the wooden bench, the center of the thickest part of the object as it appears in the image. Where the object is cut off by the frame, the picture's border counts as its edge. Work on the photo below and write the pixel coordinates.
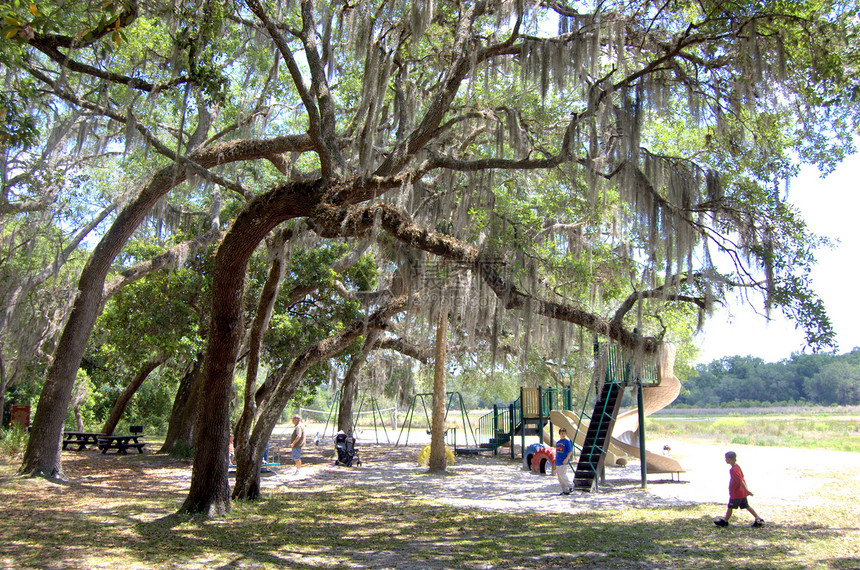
(80, 438)
(122, 443)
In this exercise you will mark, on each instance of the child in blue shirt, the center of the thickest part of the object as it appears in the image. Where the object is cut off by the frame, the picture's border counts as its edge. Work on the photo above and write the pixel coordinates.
(563, 453)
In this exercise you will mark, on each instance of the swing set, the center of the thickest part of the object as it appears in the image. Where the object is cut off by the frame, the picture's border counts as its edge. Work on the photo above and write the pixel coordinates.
(375, 414)
(452, 399)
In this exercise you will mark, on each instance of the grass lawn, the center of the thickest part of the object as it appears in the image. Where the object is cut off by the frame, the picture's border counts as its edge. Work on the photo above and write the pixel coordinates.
(835, 429)
(116, 512)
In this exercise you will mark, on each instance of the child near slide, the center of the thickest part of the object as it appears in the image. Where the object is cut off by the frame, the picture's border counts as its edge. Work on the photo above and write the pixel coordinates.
(563, 452)
(738, 493)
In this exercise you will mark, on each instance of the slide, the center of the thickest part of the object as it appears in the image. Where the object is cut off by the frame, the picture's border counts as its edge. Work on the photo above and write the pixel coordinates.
(569, 421)
(625, 434)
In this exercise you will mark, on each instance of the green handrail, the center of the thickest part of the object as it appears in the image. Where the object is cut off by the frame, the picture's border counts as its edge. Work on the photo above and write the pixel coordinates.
(498, 427)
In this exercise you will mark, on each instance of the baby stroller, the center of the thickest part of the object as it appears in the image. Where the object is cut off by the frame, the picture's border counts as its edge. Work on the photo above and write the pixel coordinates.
(346, 452)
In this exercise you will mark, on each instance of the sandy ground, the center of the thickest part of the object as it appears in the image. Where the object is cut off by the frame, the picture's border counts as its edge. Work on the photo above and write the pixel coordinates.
(777, 476)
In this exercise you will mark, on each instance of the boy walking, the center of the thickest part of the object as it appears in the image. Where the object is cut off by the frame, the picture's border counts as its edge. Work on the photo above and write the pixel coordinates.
(738, 493)
(563, 452)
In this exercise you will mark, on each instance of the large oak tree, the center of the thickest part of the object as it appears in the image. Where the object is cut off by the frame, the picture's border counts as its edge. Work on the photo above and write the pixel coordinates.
(544, 148)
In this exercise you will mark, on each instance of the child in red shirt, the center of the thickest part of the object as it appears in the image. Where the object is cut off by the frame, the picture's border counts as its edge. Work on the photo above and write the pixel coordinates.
(738, 493)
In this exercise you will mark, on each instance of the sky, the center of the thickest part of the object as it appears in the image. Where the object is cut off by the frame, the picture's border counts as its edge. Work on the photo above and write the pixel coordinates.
(831, 207)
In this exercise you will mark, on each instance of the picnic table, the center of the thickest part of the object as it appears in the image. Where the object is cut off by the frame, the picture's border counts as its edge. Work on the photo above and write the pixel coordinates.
(80, 438)
(122, 443)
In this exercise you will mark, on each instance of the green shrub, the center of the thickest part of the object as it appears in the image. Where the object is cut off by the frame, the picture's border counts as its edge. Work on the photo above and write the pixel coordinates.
(13, 440)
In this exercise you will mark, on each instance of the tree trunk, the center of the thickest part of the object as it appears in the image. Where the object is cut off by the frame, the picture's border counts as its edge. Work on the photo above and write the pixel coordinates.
(181, 425)
(349, 389)
(247, 485)
(348, 392)
(2, 386)
(247, 469)
(265, 306)
(125, 397)
(438, 459)
(42, 456)
(210, 492)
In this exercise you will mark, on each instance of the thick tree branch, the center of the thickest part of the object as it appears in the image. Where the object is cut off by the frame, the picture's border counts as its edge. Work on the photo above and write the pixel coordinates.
(422, 354)
(661, 292)
(361, 221)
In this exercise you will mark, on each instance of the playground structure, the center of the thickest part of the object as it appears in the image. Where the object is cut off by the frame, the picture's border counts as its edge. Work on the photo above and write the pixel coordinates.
(599, 435)
(529, 415)
(656, 387)
(654, 397)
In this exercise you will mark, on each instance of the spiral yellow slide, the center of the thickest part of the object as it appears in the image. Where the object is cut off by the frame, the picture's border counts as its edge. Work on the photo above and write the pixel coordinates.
(576, 429)
(625, 434)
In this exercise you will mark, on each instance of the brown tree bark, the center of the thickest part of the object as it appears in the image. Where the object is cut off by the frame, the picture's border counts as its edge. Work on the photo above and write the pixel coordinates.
(2, 387)
(438, 459)
(125, 396)
(209, 493)
(265, 306)
(79, 420)
(349, 389)
(183, 415)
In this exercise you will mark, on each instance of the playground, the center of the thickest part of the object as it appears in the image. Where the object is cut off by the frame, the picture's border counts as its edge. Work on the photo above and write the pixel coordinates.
(490, 483)
(493, 507)
(487, 512)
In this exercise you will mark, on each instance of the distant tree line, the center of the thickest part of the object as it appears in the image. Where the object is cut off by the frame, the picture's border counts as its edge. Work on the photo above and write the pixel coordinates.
(738, 381)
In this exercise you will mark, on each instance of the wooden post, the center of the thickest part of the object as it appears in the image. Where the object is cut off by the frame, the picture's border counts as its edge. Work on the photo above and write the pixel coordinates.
(540, 417)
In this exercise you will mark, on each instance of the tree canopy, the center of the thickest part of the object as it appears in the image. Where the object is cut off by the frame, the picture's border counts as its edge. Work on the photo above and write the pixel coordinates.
(542, 171)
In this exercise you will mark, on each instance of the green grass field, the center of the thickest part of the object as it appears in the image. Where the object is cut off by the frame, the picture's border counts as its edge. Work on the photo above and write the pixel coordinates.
(834, 429)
